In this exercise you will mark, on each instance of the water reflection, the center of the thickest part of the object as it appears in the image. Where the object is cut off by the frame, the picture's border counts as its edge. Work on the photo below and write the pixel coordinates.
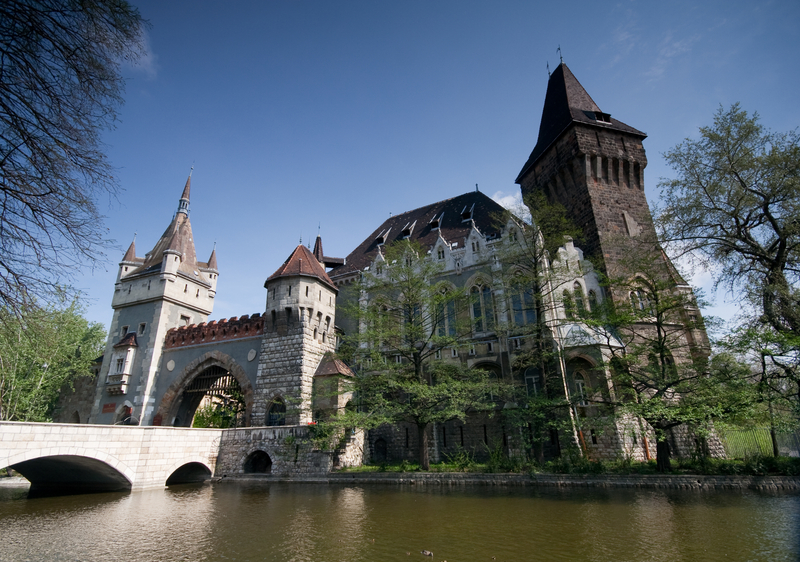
(303, 522)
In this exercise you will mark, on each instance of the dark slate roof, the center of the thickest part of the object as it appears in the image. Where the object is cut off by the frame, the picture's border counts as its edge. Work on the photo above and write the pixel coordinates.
(302, 262)
(565, 103)
(487, 215)
(322, 258)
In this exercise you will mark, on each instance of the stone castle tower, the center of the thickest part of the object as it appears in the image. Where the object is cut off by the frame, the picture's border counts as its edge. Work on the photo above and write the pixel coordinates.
(298, 332)
(593, 165)
(168, 288)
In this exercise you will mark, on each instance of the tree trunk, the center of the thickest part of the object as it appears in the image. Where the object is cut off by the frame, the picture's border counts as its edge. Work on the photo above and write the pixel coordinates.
(424, 461)
(662, 456)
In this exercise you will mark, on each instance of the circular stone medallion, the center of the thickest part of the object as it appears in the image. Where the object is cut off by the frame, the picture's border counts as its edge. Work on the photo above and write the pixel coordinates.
(251, 354)
(170, 365)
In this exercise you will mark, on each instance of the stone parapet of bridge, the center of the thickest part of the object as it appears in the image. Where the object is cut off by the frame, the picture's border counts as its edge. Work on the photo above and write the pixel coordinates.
(73, 457)
(106, 457)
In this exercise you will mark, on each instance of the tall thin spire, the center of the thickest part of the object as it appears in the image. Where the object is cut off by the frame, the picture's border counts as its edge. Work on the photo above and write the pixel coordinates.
(183, 204)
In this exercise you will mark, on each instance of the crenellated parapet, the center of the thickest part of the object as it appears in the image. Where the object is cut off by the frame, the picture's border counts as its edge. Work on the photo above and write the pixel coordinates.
(222, 330)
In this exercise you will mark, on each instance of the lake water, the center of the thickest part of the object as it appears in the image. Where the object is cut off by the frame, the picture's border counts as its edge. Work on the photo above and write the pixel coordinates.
(269, 521)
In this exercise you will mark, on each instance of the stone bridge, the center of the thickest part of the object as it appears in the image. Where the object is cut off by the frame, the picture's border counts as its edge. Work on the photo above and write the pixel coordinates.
(74, 458)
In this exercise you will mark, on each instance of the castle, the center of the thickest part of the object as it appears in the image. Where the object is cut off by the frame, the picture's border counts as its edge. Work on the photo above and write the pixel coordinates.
(164, 359)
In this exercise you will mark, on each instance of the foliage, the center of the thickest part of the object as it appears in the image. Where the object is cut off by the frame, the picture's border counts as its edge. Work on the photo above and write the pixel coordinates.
(734, 206)
(219, 415)
(408, 320)
(533, 287)
(659, 356)
(41, 350)
(61, 86)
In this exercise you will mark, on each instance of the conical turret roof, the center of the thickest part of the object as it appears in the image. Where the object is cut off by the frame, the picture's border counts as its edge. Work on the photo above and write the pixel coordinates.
(565, 103)
(302, 262)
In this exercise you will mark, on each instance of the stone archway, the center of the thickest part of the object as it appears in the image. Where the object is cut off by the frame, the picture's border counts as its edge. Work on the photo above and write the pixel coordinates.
(213, 360)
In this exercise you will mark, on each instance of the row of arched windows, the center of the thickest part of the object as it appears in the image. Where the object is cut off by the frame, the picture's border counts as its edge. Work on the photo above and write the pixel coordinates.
(576, 304)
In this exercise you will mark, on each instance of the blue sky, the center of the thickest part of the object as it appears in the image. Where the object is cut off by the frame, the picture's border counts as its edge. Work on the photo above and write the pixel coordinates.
(306, 114)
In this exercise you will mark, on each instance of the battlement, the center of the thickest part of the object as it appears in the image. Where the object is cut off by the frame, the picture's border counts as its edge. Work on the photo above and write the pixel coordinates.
(222, 330)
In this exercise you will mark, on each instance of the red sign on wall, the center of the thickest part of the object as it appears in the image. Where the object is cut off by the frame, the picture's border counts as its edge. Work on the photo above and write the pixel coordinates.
(109, 408)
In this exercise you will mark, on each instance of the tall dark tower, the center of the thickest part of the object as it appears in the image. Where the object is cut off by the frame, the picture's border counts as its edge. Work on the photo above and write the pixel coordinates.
(593, 165)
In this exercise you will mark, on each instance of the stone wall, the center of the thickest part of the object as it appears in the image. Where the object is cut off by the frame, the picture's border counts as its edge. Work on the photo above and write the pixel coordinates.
(75, 404)
(288, 448)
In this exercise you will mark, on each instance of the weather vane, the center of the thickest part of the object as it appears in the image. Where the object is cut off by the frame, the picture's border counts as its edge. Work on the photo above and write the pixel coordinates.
(559, 54)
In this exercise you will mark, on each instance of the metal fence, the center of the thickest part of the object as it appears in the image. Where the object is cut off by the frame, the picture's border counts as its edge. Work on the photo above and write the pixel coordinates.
(741, 443)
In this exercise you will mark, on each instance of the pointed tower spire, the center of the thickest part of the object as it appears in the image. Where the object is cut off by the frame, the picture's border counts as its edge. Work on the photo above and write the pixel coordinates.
(567, 102)
(130, 255)
(183, 204)
(318, 250)
(212, 261)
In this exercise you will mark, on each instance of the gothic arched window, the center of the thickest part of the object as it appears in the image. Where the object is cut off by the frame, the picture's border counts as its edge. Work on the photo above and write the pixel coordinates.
(580, 305)
(276, 415)
(482, 308)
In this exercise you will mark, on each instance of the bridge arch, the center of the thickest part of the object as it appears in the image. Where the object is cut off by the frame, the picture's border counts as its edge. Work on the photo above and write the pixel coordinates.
(174, 396)
(188, 473)
(69, 470)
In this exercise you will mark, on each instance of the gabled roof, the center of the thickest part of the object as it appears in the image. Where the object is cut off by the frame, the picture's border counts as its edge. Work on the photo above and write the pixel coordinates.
(302, 262)
(565, 103)
(421, 226)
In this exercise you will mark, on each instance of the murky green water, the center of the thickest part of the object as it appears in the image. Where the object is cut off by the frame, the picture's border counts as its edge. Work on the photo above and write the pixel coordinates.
(307, 522)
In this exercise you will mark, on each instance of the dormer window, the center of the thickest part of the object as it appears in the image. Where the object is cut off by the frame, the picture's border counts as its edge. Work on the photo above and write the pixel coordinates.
(383, 236)
(466, 213)
(436, 221)
(407, 230)
(602, 117)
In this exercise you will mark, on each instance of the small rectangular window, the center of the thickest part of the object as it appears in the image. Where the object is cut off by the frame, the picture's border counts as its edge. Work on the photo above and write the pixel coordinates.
(472, 350)
(454, 352)
(185, 320)
(123, 331)
(142, 327)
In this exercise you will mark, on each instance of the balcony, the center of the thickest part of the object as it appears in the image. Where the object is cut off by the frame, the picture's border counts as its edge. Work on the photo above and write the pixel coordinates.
(117, 384)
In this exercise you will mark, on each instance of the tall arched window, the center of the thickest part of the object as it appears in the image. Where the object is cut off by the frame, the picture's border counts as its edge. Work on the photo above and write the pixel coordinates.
(276, 415)
(580, 305)
(482, 308)
(592, 300)
(523, 308)
(446, 318)
(580, 389)
(569, 305)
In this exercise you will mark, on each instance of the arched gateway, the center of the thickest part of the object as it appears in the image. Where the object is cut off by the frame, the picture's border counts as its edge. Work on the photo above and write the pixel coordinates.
(215, 377)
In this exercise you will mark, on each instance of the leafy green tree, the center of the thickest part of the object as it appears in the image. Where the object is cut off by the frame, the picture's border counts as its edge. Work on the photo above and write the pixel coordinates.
(408, 319)
(60, 89)
(531, 284)
(734, 205)
(41, 350)
(662, 372)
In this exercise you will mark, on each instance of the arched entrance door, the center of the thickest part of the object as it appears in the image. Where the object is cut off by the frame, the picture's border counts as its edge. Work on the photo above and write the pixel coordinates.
(213, 398)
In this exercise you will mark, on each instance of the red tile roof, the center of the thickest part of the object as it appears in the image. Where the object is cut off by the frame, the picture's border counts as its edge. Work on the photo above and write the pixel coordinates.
(302, 262)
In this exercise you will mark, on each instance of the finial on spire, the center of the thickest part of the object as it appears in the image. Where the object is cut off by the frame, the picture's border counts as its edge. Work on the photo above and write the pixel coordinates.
(476, 188)
(191, 169)
(548, 69)
(559, 54)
